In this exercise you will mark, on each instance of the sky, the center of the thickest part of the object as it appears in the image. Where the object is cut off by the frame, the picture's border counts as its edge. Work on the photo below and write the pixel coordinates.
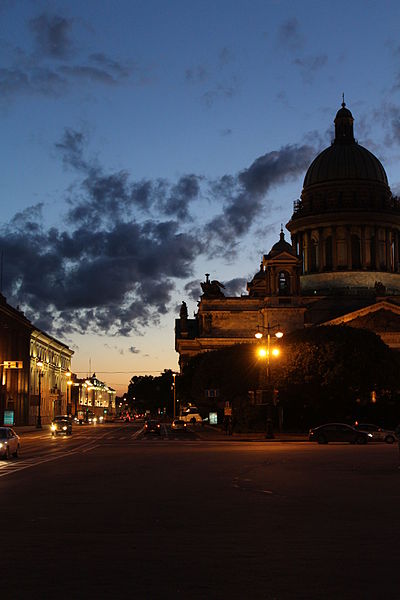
(146, 143)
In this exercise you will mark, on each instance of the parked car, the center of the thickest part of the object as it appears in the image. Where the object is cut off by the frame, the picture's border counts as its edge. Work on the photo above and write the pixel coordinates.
(338, 432)
(191, 417)
(379, 434)
(61, 424)
(9, 442)
(152, 427)
(178, 425)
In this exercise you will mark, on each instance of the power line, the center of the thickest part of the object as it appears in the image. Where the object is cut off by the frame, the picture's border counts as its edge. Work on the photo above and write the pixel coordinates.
(123, 372)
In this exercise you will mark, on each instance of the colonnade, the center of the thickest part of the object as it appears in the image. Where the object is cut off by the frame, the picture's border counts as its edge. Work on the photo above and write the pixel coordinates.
(348, 248)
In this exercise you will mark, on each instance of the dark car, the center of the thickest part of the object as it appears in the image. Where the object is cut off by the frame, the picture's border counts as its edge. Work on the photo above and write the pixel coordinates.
(152, 427)
(61, 425)
(338, 432)
(379, 434)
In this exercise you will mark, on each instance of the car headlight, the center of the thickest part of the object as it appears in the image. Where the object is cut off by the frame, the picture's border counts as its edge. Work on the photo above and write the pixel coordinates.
(3, 444)
(64, 428)
(370, 435)
(53, 427)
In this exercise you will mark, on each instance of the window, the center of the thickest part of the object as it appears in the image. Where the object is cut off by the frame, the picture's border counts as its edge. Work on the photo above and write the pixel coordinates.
(283, 283)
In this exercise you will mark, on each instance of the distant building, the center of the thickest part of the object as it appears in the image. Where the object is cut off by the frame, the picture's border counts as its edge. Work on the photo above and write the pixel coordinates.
(90, 395)
(39, 375)
(341, 267)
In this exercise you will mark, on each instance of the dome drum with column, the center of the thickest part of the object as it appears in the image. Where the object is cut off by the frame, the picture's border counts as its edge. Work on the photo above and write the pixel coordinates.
(347, 219)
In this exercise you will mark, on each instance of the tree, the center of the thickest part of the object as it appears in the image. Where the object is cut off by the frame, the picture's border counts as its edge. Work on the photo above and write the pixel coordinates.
(146, 392)
(329, 370)
(325, 372)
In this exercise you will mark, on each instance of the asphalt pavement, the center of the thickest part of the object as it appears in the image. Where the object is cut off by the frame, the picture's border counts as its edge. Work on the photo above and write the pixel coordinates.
(203, 432)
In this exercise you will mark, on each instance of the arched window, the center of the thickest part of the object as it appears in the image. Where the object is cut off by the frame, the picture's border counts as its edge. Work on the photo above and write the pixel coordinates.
(328, 254)
(284, 283)
(355, 252)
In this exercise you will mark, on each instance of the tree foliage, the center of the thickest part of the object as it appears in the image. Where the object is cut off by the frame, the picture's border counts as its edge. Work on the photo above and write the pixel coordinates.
(151, 393)
(322, 372)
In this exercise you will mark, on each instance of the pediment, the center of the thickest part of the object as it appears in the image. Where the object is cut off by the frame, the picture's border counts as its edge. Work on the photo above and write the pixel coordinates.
(380, 317)
(282, 257)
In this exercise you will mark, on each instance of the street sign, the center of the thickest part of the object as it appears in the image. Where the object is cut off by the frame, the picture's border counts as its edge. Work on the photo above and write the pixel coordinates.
(13, 364)
(8, 417)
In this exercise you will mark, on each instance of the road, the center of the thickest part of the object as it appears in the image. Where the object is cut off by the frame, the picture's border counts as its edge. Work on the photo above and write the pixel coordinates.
(110, 513)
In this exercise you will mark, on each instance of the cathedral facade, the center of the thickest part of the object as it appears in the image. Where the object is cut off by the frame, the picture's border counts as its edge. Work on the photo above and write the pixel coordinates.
(341, 267)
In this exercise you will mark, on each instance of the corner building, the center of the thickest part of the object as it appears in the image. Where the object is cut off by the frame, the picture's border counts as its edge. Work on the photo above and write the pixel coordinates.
(341, 267)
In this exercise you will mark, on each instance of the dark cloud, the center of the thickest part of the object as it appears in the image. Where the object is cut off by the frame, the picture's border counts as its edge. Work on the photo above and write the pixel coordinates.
(244, 195)
(180, 196)
(225, 56)
(220, 83)
(54, 68)
(310, 65)
(193, 290)
(389, 116)
(107, 76)
(133, 350)
(289, 34)
(126, 244)
(220, 90)
(197, 74)
(52, 35)
(115, 196)
(38, 80)
(235, 287)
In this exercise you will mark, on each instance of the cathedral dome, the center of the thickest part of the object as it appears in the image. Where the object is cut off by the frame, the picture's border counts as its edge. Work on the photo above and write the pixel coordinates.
(281, 246)
(345, 159)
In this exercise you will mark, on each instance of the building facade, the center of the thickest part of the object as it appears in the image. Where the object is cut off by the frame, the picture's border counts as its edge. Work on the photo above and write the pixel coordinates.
(33, 370)
(90, 396)
(341, 267)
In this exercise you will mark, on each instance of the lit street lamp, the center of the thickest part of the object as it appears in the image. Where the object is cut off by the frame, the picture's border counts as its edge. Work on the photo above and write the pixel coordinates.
(266, 353)
(174, 384)
(40, 373)
(69, 383)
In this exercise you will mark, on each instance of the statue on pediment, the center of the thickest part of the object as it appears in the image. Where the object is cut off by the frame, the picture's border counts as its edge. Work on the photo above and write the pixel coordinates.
(212, 289)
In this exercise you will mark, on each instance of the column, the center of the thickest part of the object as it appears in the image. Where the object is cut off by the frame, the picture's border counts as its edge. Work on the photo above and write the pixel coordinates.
(363, 250)
(387, 249)
(396, 251)
(348, 243)
(321, 261)
(334, 249)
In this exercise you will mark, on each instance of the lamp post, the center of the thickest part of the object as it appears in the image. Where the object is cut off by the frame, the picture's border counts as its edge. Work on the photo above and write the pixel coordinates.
(266, 352)
(69, 383)
(174, 384)
(39, 416)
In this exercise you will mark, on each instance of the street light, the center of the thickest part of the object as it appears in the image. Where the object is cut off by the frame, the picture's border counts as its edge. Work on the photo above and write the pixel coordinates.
(174, 375)
(69, 383)
(39, 364)
(266, 353)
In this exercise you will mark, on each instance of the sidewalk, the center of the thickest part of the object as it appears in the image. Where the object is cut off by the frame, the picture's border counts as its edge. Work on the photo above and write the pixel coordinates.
(213, 433)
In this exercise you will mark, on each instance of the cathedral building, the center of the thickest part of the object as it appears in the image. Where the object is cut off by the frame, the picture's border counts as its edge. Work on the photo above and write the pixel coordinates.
(341, 267)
